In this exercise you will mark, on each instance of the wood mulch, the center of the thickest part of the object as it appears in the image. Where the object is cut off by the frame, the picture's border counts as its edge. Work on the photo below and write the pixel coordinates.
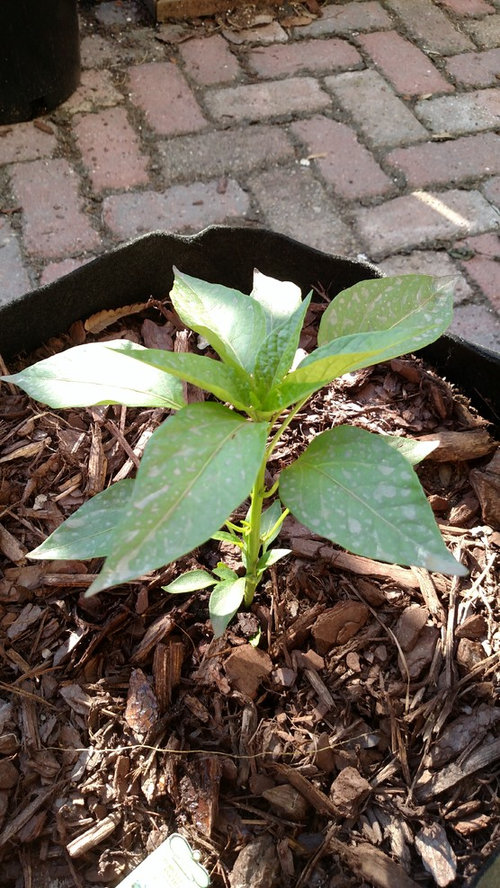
(358, 744)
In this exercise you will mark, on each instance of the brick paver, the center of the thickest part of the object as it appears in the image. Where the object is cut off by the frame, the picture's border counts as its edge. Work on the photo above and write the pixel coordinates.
(464, 113)
(409, 70)
(436, 163)
(486, 33)
(308, 55)
(380, 115)
(225, 152)
(14, 278)
(96, 90)
(477, 323)
(25, 141)
(359, 127)
(468, 7)
(343, 161)
(491, 191)
(475, 68)
(54, 220)
(163, 95)
(421, 217)
(209, 60)
(355, 16)
(429, 26)
(260, 101)
(293, 202)
(55, 270)
(177, 209)
(110, 150)
(484, 265)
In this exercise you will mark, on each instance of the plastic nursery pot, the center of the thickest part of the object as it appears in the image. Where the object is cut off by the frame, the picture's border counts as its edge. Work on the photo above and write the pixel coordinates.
(143, 268)
(39, 56)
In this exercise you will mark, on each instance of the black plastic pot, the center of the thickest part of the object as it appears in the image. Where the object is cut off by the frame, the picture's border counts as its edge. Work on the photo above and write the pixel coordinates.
(39, 56)
(143, 268)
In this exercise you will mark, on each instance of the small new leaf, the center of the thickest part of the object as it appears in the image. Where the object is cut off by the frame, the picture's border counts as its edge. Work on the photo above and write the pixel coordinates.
(224, 601)
(191, 581)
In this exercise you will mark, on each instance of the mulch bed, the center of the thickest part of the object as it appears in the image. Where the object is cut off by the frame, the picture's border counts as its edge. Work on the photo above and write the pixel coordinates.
(357, 744)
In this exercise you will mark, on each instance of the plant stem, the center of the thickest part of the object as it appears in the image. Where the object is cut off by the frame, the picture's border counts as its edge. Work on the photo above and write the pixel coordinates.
(253, 542)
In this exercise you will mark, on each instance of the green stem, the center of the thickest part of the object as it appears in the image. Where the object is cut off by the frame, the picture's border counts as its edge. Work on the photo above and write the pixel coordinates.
(253, 542)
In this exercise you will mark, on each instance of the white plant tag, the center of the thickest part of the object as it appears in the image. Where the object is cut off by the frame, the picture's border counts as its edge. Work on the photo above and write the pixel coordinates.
(173, 864)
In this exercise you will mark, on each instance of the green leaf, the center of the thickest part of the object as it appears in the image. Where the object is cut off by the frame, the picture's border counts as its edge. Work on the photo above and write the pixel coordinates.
(225, 382)
(413, 310)
(233, 323)
(99, 373)
(413, 451)
(191, 581)
(88, 532)
(225, 536)
(223, 572)
(268, 520)
(224, 602)
(276, 354)
(197, 467)
(415, 306)
(279, 299)
(354, 488)
(270, 557)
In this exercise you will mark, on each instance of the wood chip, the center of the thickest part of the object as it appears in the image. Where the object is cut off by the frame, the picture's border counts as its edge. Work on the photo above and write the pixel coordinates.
(11, 548)
(316, 798)
(257, 864)
(142, 710)
(349, 791)
(437, 855)
(287, 801)
(308, 548)
(373, 865)
(245, 668)
(459, 446)
(93, 836)
(409, 626)
(338, 624)
(26, 451)
(486, 483)
(431, 785)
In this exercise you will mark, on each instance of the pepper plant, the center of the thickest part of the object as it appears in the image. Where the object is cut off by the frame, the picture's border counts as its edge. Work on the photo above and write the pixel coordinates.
(356, 488)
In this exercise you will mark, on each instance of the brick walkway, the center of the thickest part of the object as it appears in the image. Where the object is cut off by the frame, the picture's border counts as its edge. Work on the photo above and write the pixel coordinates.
(369, 130)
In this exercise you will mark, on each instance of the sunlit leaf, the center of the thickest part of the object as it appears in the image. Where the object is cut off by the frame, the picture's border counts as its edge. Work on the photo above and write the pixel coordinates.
(279, 299)
(271, 557)
(232, 322)
(418, 305)
(414, 451)
(225, 382)
(277, 352)
(191, 581)
(88, 532)
(99, 373)
(224, 601)
(355, 489)
(197, 467)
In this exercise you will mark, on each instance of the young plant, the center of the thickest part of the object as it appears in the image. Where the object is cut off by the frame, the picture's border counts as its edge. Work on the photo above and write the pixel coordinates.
(355, 488)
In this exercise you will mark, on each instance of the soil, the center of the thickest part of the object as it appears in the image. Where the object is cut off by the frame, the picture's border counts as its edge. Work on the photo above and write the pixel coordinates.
(356, 745)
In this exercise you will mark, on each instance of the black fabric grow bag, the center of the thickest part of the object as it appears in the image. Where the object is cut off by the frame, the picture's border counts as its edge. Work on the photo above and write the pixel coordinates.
(39, 56)
(143, 268)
